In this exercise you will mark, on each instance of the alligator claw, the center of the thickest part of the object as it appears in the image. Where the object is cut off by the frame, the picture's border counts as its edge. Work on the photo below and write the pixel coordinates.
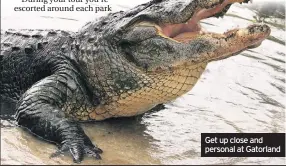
(78, 150)
(94, 152)
(77, 153)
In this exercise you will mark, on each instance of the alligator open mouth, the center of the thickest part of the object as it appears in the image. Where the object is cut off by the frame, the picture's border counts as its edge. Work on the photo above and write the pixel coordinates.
(185, 32)
(179, 36)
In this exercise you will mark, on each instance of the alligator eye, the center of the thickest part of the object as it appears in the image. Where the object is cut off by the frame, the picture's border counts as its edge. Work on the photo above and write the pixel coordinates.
(126, 47)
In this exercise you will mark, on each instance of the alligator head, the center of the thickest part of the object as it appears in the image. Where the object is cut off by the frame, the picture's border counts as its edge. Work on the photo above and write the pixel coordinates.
(156, 52)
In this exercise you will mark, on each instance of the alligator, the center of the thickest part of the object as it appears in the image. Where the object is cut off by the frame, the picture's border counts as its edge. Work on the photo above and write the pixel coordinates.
(119, 65)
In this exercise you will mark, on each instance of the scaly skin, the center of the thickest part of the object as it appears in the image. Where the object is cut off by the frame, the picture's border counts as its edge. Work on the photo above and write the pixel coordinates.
(120, 65)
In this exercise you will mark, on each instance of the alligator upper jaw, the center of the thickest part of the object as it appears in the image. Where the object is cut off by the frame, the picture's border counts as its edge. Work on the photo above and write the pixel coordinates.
(185, 32)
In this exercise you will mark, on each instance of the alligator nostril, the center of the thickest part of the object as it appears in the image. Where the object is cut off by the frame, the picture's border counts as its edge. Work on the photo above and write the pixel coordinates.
(265, 28)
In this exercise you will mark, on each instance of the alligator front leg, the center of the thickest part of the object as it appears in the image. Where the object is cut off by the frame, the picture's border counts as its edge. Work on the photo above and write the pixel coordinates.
(40, 110)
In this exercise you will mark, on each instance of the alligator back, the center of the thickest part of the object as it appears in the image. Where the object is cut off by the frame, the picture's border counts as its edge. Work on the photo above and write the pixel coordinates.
(25, 58)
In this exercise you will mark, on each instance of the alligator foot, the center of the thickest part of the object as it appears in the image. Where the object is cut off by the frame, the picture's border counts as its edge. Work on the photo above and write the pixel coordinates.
(78, 149)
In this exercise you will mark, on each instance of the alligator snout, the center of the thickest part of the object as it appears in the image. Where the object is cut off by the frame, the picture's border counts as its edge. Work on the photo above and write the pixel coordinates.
(253, 29)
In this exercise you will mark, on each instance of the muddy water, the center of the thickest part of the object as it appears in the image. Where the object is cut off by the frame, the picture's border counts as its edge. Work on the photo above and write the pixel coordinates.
(242, 94)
